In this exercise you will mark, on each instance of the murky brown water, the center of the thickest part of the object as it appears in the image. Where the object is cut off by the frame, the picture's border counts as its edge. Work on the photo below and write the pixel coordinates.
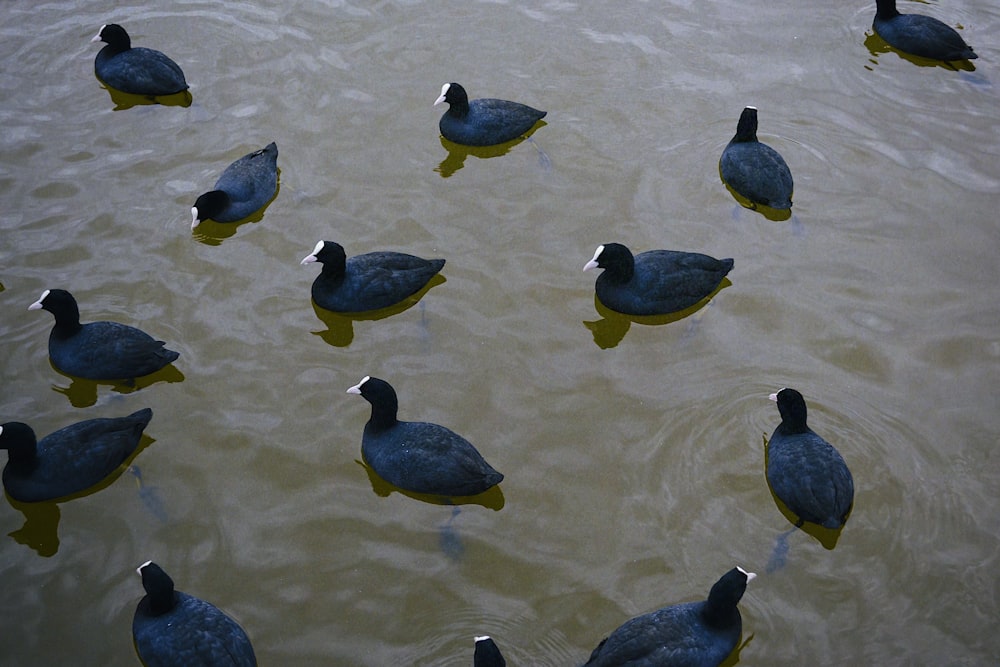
(634, 467)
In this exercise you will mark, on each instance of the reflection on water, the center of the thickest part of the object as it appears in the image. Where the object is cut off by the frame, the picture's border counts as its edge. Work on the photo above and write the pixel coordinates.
(775, 214)
(492, 498)
(458, 152)
(82, 392)
(878, 46)
(340, 326)
(128, 100)
(609, 331)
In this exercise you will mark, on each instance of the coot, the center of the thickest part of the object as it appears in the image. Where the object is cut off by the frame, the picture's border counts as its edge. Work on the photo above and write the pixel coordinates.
(919, 35)
(755, 170)
(243, 188)
(418, 456)
(655, 282)
(135, 70)
(483, 122)
(69, 460)
(99, 350)
(487, 654)
(804, 470)
(696, 634)
(174, 629)
(367, 282)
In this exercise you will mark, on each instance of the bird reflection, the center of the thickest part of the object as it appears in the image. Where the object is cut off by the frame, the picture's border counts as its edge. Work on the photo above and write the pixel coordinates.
(82, 393)
(877, 46)
(492, 498)
(458, 152)
(775, 214)
(214, 233)
(40, 531)
(610, 331)
(340, 326)
(124, 101)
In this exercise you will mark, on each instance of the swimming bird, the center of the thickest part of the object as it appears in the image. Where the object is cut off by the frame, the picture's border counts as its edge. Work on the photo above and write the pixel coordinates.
(696, 634)
(70, 460)
(99, 350)
(483, 122)
(487, 654)
(135, 70)
(418, 456)
(174, 629)
(243, 188)
(919, 35)
(755, 170)
(804, 470)
(367, 282)
(655, 282)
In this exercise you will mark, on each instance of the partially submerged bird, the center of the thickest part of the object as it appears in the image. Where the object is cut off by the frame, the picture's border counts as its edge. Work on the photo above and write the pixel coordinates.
(69, 460)
(692, 633)
(919, 35)
(244, 188)
(136, 70)
(99, 350)
(483, 122)
(174, 629)
(367, 282)
(805, 471)
(753, 169)
(419, 456)
(655, 282)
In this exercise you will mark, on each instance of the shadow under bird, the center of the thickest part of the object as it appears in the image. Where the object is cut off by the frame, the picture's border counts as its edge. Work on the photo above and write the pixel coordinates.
(70, 460)
(804, 470)
(695, 634)
(99, 350)
(483, 122)
(174, 629)
(371, 281)
(136, 70)
(753, 169)
(244, 187)
(655, 282)
(919, 35)
(419, 456)
(487, 653)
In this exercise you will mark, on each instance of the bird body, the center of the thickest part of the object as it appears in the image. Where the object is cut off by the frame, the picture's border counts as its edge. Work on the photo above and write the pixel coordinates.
(69, 460)
(367, 282)
(919, 35)
(419, 456)
(99, 350)
(483, 122)
(805, 471)
(690, 634)
(136, 70)
(655, 282)
(753, 169)
(174, 629)
(244, 187)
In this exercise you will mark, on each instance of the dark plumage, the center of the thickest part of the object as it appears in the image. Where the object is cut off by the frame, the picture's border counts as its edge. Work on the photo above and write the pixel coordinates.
(804, 470)
(367, 282)
(755, 170)
(99, 350)
(692, 634)
(919, 35)
(655, 282)
(418, 456)
(243, 188)
(483, 122)
(137, 70)
(69, 460)
(174, 629)
(487, 654)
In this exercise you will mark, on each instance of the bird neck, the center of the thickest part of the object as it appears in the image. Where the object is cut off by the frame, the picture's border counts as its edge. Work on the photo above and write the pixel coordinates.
(886, 9)
(383, 415)
(719, 614)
